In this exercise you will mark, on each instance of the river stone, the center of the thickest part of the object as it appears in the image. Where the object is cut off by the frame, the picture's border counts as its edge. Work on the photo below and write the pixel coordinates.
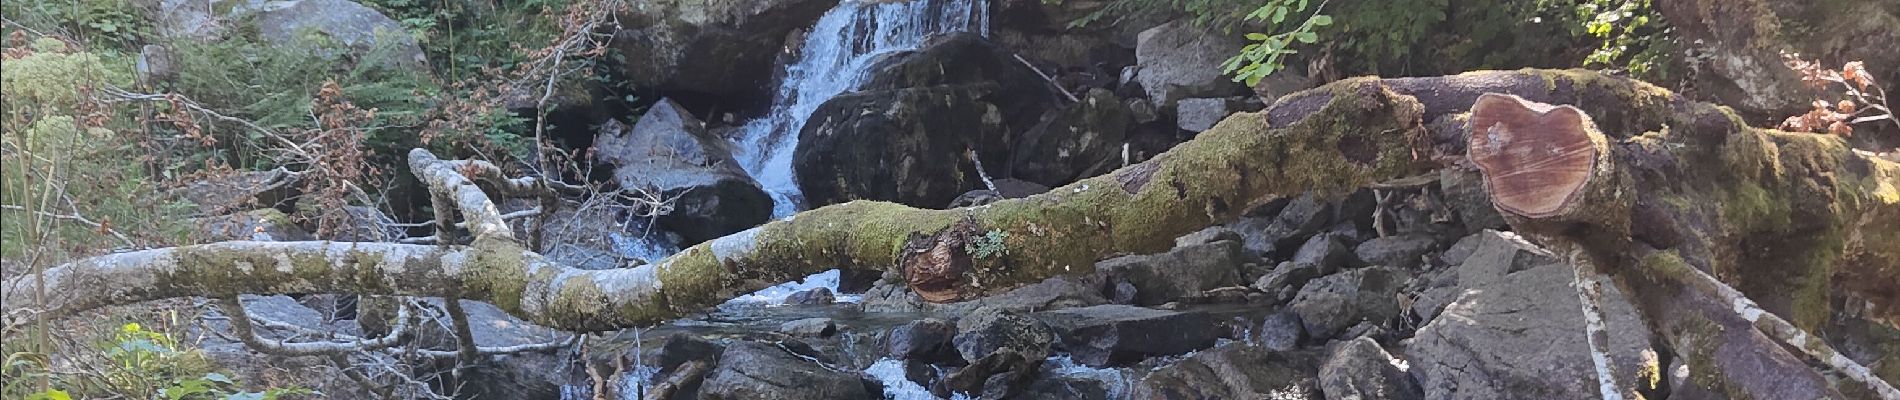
(1178, 273)
(812, 297)
(1079, 140)
(1111, 334)
(709, 47)
(926, 340)
(1235, 371)
(1326, 251)
(669, 152)
(1521, 337)
(996, 376)
(809, 327)
(991, 329)
(1180, 60)
(1329, 305)
(759, 371)
(1360, 370)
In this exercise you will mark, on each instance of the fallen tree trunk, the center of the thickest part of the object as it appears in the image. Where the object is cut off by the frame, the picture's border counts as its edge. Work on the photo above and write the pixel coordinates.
(1796, 221)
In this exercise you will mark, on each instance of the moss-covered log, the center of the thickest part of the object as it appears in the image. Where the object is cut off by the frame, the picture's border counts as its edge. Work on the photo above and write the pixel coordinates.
(1707, 187)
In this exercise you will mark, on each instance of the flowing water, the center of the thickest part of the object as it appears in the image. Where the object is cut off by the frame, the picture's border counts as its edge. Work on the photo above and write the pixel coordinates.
(834, 59)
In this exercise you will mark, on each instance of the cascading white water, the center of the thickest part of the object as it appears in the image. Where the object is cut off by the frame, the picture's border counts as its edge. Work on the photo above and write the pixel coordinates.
(833, 60)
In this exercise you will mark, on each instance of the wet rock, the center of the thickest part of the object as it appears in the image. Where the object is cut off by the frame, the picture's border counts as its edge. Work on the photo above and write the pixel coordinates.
(679, 349)
(1067, 388)
(1281, 331)
(1056, 292)
(1142, 111)
(990, 329)
(999, 375)
(1200, 114)
(1326, 251)
(1180, 60)
(1107, 335)
(1520, 337)
(1184, 271)
(751, 370)
(715, 47)
(1403, 251)
(1360, 369)
(1329, 305)
(927, 340)
(1235, 371)
(856, 281)
(1079, 140)
(812, 297)
(809, 327)
(917, 120)
(669, 152)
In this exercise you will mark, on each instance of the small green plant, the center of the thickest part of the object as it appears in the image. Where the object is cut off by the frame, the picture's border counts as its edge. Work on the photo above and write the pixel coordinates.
(1628, 37)
(992, 244)
(1267, 52)
(137, 363)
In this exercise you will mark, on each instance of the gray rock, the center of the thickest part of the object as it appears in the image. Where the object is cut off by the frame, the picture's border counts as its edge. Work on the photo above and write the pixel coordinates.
(714, 47)
(1329, 305)
(679, 348)
(1279, 235)
(1403, 251)
(1522, 337)
(750, 370)
(1280, 84)
(1112, 335)
(989, 330)
(1281, 331)
(669, 152)
(996, 376)
(1184, 271)
(1290, 275)
(363, 30)
(1326, 251)
(809, 327)
(1464, 191)
(1210, 235)
(1496, 254)
(813, 297)
(1063, 291)
(1068, 388)
(1360, 370)
(1200, 114)
(926, 340)
(1235, 371)
(1076, 141)
(1142, 111)
(1181, 60)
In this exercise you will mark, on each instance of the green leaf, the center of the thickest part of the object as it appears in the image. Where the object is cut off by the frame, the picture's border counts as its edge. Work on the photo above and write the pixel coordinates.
(219, 378)
(1322, 20)
(1306, 37)
(1279, 15)
(1256, 36)
(54, 394)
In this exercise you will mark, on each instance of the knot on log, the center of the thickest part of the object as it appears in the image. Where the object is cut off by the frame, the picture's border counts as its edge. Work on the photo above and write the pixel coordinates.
(1536, 158)
(934, 265)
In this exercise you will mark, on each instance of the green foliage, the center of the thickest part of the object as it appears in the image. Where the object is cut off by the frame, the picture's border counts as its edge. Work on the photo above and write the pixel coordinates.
(461, 38)
(135, 362)
(66, 154)
(118, 22)
(1266, 54)
(1628, 33)
(992, 244)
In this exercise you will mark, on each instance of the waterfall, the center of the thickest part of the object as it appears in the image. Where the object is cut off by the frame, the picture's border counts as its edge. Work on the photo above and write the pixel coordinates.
(834, 59)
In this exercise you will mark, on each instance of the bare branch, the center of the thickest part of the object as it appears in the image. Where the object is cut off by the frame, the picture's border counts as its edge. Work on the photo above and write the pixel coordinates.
(241, 325)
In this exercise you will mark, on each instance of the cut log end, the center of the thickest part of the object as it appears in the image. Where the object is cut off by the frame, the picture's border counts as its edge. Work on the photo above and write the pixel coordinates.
(934, 265)
(1536, 158)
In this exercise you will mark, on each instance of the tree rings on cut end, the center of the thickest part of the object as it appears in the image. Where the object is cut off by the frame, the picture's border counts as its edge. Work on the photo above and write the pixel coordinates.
(1536, 158)
(935, 265)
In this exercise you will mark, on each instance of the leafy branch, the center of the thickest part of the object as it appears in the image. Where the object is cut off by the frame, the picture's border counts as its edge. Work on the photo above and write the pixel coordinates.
(1267, 53)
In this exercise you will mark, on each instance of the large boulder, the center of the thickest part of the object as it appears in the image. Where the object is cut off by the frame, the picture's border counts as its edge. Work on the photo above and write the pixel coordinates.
(1181, 60)
(1113, 334)
(926, 340)
(708, 47)
(1235, 371)
(1080, 140)
(1182, 272)
(1522, 337)
(752, 370)
(906, 137)
(990, 330)
(669, 153)
(305, 25)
